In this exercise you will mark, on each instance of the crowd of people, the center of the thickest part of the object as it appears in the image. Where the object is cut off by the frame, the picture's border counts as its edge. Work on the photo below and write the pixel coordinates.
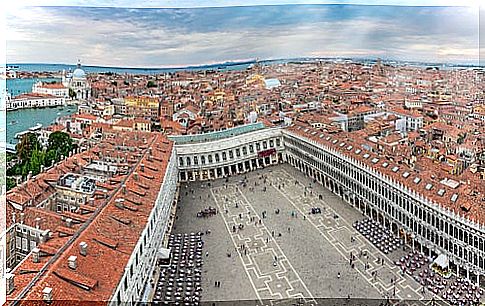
(207, 212)
(180, 281)
(454, 290)
(379, 236)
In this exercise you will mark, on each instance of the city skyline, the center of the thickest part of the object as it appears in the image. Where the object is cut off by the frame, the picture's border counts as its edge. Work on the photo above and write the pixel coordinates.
(157, 38)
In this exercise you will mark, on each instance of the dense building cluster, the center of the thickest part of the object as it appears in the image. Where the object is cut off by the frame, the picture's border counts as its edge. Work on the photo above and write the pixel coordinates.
(404, 145)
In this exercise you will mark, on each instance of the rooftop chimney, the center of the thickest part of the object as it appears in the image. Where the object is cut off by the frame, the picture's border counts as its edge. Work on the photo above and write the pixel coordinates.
(37, 223)
(142, 167)
(68, 222)
(83, 248)
(47, 294)
(13, 217)
(72, 262)
(10, 282)
(91, 201)
(22, 216)
(29, 176)
(135, 176)
(123, 189)
(35, 255)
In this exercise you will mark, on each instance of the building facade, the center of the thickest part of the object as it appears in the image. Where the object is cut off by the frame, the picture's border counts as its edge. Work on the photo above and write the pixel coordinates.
(53, 89)
(234, 155)
(34, 101)
(77, 82)
(424, 224)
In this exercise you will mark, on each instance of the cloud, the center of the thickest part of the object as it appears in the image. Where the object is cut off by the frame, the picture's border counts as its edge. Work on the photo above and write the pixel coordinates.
(178, 37)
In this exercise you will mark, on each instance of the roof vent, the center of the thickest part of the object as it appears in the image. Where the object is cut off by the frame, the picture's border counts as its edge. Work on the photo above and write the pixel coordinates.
(47, 294)
(83, 248)
(10, 277)
(72, 262)
(35, 255)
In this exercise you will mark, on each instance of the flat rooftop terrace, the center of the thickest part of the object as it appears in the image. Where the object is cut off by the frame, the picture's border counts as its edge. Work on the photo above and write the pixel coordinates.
(292, 255)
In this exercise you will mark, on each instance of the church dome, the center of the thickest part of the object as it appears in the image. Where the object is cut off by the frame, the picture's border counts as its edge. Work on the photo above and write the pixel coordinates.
(79, 73)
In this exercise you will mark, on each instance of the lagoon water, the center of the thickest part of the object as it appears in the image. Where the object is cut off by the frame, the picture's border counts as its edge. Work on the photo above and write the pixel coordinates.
(21, 120)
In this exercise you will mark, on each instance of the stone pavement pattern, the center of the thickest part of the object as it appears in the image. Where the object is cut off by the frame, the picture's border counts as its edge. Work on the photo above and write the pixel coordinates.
(311, 250)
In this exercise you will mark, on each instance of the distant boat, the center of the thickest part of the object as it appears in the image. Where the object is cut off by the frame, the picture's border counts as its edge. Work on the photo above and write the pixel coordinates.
(14, 122)
(59, 113)
(36, 127)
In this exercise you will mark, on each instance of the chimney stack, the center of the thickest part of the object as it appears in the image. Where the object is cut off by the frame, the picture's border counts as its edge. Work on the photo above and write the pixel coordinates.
(72, 262)
(68, 222)
(47, 294)
(13, 217)
(35, 255)
(83, 248)
(91, 201)
(142, 167)
(135, 176)
(10, 277)
(37, 223)
(44, 236)
(123, 189)
(22, 216)
(29, 176)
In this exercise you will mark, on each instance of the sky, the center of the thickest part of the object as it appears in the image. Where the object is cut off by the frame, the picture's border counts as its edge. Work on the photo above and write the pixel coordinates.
(174, 37)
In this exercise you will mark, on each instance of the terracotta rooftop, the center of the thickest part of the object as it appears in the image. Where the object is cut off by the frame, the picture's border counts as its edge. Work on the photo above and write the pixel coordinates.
(426, 178)
(110, 230)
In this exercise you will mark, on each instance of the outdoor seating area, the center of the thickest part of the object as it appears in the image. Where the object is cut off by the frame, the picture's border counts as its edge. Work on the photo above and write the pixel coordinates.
(456, 291)
(463, 292)
(414, 261)
(180, 282)
(379, 236)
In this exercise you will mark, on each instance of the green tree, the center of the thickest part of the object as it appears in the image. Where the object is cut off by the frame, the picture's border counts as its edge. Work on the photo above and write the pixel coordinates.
(60, 143)
(11, 183)
(26, 146)
(151, 84)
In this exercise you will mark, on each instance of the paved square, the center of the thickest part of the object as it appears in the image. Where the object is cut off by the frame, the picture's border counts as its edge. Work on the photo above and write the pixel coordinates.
(265, 246)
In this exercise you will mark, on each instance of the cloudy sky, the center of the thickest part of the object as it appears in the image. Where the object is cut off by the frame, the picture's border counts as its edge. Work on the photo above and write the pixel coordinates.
(168, 37)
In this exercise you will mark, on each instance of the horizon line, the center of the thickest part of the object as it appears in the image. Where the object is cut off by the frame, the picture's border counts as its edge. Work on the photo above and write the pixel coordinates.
(250, 61)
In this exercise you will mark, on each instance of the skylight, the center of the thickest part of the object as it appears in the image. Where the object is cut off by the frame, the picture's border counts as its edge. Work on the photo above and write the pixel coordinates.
(417, 180)
(395, 169)
(454, 197)
(385, 165)
(441, 192)
(405, 174)
(429, 186)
